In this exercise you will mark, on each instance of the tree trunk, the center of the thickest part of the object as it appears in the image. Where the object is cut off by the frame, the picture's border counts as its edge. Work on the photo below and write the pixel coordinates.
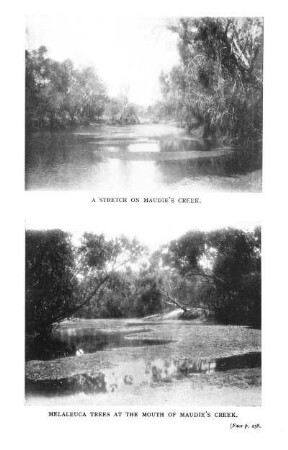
(173, 300)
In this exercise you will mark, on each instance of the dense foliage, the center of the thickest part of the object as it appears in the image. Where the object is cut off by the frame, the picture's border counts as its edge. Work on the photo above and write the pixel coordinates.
(218, 271)
(119, 111)
(226, 265)
(58, 94)
(219, 82)
(63, 279)
(50, 284)
(127, 294)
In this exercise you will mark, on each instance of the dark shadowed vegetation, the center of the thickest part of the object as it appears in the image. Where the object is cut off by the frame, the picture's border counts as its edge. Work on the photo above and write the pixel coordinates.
(217, 274)
(224, 267)
(219, 82)
(63, 279)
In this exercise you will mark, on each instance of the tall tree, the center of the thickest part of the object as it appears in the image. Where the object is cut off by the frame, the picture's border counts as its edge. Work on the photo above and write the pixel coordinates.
(99, 260)
(58, 94)
(62, 279)
(220, 79)
(50, 284)
(228, 263)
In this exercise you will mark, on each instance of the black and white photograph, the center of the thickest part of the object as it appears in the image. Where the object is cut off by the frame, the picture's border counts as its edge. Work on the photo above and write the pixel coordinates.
(129, 104)
(143, 224)
(166, 318)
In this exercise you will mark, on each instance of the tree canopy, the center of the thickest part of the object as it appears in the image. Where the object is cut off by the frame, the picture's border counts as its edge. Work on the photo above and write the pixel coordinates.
(219, 81)
(217, 271)
(62, 279)
(58, 94)
(226, 265)
(50, 284)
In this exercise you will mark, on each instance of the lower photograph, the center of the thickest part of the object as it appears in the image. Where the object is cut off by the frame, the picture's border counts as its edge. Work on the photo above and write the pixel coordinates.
(116, 319)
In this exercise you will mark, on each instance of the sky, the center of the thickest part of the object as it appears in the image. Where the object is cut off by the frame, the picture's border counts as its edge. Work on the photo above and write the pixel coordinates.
(127, 53)
(153, 225)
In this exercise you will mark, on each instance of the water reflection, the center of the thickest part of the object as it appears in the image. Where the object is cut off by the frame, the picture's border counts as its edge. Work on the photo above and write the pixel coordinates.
(130, 158)
(77, 342)
(144, 147)
(243, 361)
(231, 165)
(158, 371)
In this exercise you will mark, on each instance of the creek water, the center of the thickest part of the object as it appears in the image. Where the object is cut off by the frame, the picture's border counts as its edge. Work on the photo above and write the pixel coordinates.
(96, 357)
(136, 158)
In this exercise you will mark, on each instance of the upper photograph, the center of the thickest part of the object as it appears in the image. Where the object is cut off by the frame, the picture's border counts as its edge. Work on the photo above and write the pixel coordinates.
(124, 105)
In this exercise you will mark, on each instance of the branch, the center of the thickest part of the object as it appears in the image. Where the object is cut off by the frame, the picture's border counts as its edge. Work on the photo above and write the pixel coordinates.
(64, 314)
(91, 295)
(76, 269)
(241, 55)
(167, 303)
(173, 300)
(229, 21)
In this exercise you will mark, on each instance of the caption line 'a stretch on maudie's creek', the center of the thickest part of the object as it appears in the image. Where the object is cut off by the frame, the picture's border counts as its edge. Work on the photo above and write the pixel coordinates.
(170, 200)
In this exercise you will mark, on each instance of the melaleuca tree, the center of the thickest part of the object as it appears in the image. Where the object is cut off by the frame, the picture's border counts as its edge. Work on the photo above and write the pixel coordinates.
(50, 281)
(58, 94)
(228, 263)
(99, 260)
(62, 279)
(219, 81)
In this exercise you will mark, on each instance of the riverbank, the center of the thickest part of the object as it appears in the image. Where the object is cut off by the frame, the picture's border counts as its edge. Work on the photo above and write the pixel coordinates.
(58, 125)
(145, 357)
(210, 390)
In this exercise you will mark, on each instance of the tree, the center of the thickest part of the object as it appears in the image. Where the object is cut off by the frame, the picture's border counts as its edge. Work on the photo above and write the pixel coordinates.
(147, 298)
(115, 299)
(62, 279)
(119, 111)
(219, 81)
(100, 277)
(228, 263)
(50, 284)
(100, 261)
(58, 94)
(238, 276)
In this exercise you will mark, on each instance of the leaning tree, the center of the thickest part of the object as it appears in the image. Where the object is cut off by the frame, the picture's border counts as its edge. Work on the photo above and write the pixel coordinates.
(62, 278)
(227, 266)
